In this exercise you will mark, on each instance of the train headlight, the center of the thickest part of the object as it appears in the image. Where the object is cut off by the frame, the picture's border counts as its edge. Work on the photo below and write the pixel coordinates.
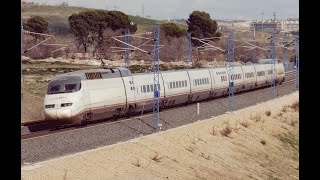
(49, 106)
(66, 104)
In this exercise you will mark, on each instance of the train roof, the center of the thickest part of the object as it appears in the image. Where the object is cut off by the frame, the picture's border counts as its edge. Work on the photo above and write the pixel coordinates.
(101, 73)
(105, 73)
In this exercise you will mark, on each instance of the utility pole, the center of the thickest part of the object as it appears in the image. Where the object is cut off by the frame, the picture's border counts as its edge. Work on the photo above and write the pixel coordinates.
(297, 61)
(156, 77)
(274, 21)
(230, 60)
(189, 50)
(142, 10)
(272, 57)
(262, 24)
(127, 52)
(21, 63)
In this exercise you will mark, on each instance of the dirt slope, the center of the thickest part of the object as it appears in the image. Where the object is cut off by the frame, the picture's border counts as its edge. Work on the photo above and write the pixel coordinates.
(259, 142)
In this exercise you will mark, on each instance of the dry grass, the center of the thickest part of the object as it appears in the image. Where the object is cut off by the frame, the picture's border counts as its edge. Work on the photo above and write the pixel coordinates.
(65, 174)
(293, 123)
(268, 113)
(207, 157)
(193, 141)
(213, 132)
(226, 131)
(244, 124)
(295, 106)
(284, 108)
(137, 163)
(190, 149)
(156, 157)
(256, 118)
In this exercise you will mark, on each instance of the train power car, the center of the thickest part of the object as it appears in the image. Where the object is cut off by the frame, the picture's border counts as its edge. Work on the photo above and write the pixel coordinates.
(81, 96)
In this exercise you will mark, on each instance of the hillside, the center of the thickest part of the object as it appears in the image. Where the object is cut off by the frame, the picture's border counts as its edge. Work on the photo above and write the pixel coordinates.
(258, 142)
(57, 16)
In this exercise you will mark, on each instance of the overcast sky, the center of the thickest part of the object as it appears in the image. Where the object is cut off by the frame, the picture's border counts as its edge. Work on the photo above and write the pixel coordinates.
(218, 9)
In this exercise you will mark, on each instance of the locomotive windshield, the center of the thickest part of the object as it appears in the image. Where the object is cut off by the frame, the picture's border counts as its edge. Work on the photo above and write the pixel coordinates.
(64, 85)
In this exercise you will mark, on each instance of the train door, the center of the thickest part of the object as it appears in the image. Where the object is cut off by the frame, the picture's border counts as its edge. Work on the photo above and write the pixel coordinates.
(131, 93)
(86, 100)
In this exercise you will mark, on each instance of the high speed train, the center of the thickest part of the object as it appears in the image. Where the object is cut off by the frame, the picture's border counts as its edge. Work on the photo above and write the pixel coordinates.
(81, 96)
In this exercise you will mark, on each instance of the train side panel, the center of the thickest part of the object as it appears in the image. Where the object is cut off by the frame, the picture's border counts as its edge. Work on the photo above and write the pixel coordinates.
(107, 97)
(221, 81)
(261, 74)
(280, 73)
(201, 84)
(237, 78)
(250, 78)
(177, 88)
(143, 94)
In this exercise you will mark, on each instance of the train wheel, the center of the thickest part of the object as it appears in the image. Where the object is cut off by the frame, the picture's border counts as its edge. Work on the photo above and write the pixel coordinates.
(86, 118)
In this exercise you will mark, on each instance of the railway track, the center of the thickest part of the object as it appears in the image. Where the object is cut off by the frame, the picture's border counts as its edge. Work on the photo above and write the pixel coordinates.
(49, 129)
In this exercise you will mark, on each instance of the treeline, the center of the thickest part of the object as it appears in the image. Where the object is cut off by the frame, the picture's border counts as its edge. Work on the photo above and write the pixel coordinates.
(92, 31)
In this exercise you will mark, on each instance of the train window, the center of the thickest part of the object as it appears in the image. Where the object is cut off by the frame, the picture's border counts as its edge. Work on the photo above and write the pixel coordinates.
(151, 87)
(177, 84)
(64, 85)
(180, 84)
(141, 89)
(144, 88)
(174, 85)
(70, 87)
(148, 88)
(185, 82)
(170, 85)
(261, 73)
(53, 89)
(198, 82)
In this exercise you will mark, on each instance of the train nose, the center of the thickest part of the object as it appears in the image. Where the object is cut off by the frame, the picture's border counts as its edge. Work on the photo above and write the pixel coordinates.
(55, 114)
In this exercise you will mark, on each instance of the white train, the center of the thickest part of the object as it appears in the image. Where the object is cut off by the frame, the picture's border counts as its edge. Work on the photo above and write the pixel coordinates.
(85, 95)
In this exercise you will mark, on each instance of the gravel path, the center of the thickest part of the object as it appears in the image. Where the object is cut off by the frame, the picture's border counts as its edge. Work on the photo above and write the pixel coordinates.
(60, 144)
